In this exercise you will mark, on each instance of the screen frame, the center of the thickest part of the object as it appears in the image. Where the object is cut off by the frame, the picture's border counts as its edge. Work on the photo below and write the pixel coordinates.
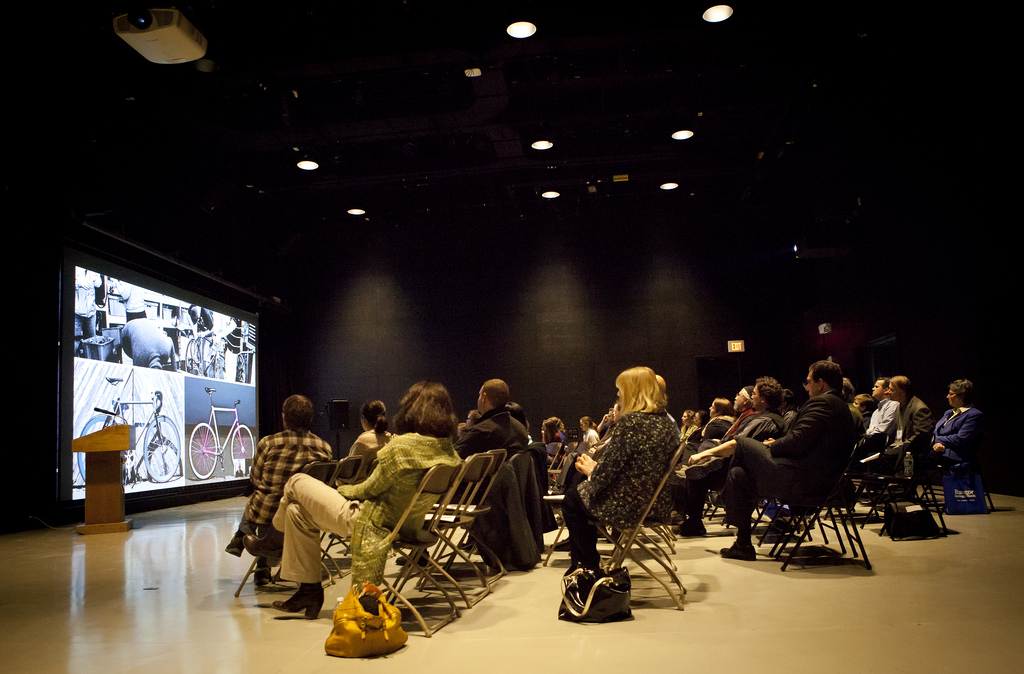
(227, 390)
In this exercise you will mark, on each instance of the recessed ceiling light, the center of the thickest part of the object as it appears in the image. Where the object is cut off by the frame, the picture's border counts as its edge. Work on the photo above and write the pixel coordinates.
(542, 145)
(683, 134)
(356, 211)
(669, 186)
(308, 165)
(521, 29)
(551, 194)
(717, 13)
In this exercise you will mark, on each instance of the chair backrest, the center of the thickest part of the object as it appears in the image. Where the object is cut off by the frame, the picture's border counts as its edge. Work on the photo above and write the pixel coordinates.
(349, 469)
(567, 466)
(498, 458)
(439, 481)
(325, 471)
(476, 470)
(626, 541)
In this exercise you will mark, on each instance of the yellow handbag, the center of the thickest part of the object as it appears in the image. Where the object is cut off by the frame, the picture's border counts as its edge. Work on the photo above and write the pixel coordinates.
(359, 633)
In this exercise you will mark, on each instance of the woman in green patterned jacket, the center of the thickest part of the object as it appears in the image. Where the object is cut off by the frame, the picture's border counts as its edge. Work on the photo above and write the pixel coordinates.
(424, 425)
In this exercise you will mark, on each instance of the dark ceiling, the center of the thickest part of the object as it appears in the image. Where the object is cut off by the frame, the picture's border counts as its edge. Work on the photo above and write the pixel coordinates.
(805, 123)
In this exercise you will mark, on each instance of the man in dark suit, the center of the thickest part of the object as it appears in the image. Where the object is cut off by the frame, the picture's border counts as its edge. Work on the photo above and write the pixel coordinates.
(806, 461)
(914, 430)
(915, 417)
(495, 429)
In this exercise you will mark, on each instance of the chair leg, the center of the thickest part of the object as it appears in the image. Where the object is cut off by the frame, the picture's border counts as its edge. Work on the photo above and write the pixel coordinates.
(445, 542)
(412, 566)
(252, 567)
(854, 538)
(551, 550)
(325, 555)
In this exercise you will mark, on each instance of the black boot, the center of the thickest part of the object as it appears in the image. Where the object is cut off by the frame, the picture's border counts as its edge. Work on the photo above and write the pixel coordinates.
(309, 598)
(262, 575)
(235, 547)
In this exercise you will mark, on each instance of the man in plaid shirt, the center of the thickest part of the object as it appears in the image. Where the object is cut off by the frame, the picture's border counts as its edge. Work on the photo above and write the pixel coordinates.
(278, 457)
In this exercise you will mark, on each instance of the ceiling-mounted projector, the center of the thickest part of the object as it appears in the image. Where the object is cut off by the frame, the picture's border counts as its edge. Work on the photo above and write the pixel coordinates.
(167, 38)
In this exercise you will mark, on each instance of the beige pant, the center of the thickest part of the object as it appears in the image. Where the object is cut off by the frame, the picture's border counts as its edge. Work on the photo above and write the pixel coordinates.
(308, 507)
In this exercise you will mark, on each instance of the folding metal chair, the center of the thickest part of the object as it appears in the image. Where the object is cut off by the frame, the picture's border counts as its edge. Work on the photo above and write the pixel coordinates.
(325, 471)
(797, 517)
(626, 541)
(555, 501)
(347, 473)
(476, 546)
(889, 488)
(439, 484)
(459, 516)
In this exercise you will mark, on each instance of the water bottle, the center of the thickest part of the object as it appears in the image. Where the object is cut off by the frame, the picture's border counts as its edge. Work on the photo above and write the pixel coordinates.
(908, 465)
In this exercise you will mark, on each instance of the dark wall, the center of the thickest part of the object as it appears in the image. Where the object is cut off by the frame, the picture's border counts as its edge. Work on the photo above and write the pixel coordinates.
(559, 323)
(557, 327)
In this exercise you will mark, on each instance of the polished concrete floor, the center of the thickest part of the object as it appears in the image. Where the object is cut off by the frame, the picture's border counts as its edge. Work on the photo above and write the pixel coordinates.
(161, 599)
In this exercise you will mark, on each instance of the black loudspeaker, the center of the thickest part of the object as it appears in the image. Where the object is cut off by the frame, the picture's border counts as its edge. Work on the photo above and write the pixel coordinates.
(338, 412)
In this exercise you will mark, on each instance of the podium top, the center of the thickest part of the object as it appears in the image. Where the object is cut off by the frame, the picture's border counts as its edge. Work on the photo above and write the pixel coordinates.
(110, 439)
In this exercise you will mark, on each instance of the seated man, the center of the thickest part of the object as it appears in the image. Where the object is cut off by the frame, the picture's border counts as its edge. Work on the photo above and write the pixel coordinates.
(914, 426)
(807, 461)
(496, 428)
(277, 458)
(958, 433)
(706, 469)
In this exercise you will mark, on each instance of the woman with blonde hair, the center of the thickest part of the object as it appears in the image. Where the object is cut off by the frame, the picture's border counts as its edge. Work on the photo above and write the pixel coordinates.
(619, 486)
(689, 423)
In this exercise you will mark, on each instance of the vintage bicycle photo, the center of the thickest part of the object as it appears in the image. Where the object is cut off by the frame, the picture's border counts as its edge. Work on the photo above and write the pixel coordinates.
(149, 400)
(219, 418)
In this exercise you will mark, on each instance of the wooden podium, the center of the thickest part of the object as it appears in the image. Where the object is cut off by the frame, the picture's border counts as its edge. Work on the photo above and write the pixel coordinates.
(104, 494)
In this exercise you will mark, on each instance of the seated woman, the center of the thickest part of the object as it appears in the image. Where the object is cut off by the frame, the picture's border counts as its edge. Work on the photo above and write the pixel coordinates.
(424, 424)
(708, 468)
(373, 417)
(549, 435)
(687, 425)
(689, 494)
(619, 486)
(588, 430)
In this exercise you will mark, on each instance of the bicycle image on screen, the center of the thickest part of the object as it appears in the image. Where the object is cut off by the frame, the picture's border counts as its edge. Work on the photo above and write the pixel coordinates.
(205, 453)
(156, 455)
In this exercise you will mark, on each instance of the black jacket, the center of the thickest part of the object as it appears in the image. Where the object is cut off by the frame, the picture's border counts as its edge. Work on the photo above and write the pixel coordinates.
(496, 429)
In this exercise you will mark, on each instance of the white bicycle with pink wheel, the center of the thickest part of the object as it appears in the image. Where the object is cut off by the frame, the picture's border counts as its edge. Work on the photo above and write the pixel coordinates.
(205, 452)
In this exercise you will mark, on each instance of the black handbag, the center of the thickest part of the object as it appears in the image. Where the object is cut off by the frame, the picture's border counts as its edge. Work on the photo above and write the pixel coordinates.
(906, 521)
(589, 599)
